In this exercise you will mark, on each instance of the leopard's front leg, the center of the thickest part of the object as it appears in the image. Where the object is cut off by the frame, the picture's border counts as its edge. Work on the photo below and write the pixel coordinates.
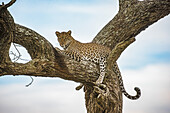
(102, 64)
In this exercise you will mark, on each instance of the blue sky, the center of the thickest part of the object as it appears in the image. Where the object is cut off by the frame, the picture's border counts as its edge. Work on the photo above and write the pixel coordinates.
(145, 63)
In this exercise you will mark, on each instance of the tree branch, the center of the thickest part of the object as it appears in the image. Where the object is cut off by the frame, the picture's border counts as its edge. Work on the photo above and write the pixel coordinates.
(116, 52)
(131, 20)
(9, 4)
(126, 3)
(7, 28)
(46, 61)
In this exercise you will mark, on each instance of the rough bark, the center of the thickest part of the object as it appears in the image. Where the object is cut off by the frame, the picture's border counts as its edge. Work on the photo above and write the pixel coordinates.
(47, 61)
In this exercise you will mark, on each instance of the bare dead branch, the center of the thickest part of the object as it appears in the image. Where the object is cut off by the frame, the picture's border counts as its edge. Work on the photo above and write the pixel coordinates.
(16, 58)
(30, 82)
(8, 4)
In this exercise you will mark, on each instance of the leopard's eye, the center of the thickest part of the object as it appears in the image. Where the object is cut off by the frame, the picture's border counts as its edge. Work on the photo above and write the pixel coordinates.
(58, 35)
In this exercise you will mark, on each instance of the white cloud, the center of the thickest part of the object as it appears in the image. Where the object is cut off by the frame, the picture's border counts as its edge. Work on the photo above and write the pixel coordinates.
(52, 98)
(154, 82)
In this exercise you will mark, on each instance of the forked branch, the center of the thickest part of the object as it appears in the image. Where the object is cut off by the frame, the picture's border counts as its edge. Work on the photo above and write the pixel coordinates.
(116, 52)
(8, 4)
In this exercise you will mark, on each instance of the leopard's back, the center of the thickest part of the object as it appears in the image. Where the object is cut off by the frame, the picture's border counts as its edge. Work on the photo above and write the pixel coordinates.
(89, 51)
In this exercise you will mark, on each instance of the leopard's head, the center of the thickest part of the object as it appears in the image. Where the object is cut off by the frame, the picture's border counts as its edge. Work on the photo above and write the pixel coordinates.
(64, 38)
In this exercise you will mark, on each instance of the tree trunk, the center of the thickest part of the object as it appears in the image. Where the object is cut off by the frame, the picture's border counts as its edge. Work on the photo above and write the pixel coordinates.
(47, 61)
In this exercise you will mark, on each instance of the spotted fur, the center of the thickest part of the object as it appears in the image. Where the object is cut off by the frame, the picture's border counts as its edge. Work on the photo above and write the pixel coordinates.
(91, 52)
(117, 71)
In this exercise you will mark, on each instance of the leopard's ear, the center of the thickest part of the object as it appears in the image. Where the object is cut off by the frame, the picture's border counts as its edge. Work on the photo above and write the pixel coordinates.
(57, 33)
(69, 32)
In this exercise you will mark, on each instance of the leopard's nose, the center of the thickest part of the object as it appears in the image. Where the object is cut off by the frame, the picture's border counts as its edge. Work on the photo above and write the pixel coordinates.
(62, 45)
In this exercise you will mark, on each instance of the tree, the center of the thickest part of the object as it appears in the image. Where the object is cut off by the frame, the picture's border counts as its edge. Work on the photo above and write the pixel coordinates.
(133, 17)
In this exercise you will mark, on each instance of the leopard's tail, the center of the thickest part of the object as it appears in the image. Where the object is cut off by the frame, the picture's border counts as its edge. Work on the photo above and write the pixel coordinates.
(138, 92)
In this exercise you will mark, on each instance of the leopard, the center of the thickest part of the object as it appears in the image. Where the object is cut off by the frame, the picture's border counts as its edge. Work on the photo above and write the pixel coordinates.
(93, 52)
